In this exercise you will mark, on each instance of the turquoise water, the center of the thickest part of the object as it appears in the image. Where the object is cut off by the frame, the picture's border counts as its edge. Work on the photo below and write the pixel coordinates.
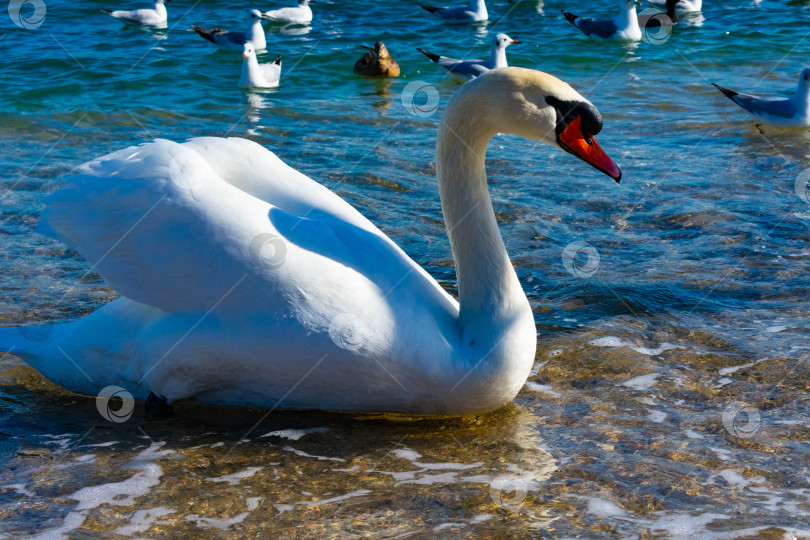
(635, 421)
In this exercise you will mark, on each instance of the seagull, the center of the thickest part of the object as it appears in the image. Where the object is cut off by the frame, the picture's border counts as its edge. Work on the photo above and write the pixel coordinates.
(465, 70)
(777, 111)
(300, 14)
(153, 17)
(227, 39)
(475, 12)
(256, 75)
(377, 62)
(681, 5)
(625, 26)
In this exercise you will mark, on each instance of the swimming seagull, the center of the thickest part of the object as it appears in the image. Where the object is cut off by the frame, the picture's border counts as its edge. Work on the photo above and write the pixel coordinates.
(464, 70)
(777, 111)
(300, 14)
(153, 17)
(256, 75)
(475, 12)
(228, 39)
(681, 5)
(625, 26)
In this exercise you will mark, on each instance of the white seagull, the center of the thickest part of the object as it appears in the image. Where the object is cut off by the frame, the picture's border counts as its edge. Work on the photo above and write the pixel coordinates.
(157, 16)
(464, 70)
(684, 6)
(228, 39)
(623, 27)
(300, 14)
(244, 282)
(256, 75)
(793, 111)
(475, 12)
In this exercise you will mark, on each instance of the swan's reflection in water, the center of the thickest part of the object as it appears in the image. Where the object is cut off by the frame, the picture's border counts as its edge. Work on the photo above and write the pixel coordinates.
(295, 29)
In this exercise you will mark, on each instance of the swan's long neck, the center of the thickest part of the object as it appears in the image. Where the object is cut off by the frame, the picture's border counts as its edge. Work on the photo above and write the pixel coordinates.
(490, 295)
(497, 56)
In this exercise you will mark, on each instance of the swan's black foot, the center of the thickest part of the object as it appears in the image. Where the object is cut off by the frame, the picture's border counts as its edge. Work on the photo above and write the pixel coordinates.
(157, 406)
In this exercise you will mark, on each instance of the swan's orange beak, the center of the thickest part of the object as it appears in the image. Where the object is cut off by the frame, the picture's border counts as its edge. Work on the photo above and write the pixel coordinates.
(584, 146)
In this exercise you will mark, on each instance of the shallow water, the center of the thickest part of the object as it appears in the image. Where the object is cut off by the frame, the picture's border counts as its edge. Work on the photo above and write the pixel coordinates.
(669, 394)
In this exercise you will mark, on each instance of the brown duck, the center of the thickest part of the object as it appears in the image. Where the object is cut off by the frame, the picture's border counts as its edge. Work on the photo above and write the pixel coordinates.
(377, 62)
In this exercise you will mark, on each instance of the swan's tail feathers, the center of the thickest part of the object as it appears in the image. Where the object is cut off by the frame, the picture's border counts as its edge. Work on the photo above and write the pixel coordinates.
(570, 17)
(431, 9)
(206, 34)
(433, 57)
(728, 93)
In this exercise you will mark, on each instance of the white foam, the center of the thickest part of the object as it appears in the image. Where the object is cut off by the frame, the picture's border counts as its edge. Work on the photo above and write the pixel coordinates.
(730, 370)
(223, 524)
(19, 488)
(542, 389)
(604, 509)
(613, 341)
(642, 382)
(143, 519)
(235, 478)
(657, 416)
(694, 434)
(775, 329)
(304, 454)
(294, 434)
(72, 521)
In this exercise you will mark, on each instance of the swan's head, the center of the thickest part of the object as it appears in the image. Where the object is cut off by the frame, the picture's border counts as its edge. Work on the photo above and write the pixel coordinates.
(502, 41)
(248, 50)
(627, 5)
(255, 16)
(539, 107)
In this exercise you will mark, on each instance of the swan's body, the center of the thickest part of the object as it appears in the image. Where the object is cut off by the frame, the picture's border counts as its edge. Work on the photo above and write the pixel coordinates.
(464, 70)
(256, 75)
(157, 16)
(228, 39)
(623, 27)
(301, 14)
(377, 62)
(244, 282)
(475, 12)
(684, 6)
(793, 111)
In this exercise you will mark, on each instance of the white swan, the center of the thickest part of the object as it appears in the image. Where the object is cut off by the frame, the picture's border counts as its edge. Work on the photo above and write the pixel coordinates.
(244, 282)
(300, 14)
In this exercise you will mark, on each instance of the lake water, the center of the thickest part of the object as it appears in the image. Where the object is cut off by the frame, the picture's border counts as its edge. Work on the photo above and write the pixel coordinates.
(670, 392)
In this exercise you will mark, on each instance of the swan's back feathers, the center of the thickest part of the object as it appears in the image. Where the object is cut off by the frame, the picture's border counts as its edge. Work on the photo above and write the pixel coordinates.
(222, 224)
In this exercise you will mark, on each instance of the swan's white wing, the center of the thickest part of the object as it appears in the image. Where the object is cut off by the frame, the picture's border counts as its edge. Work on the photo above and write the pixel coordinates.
(223, 223)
